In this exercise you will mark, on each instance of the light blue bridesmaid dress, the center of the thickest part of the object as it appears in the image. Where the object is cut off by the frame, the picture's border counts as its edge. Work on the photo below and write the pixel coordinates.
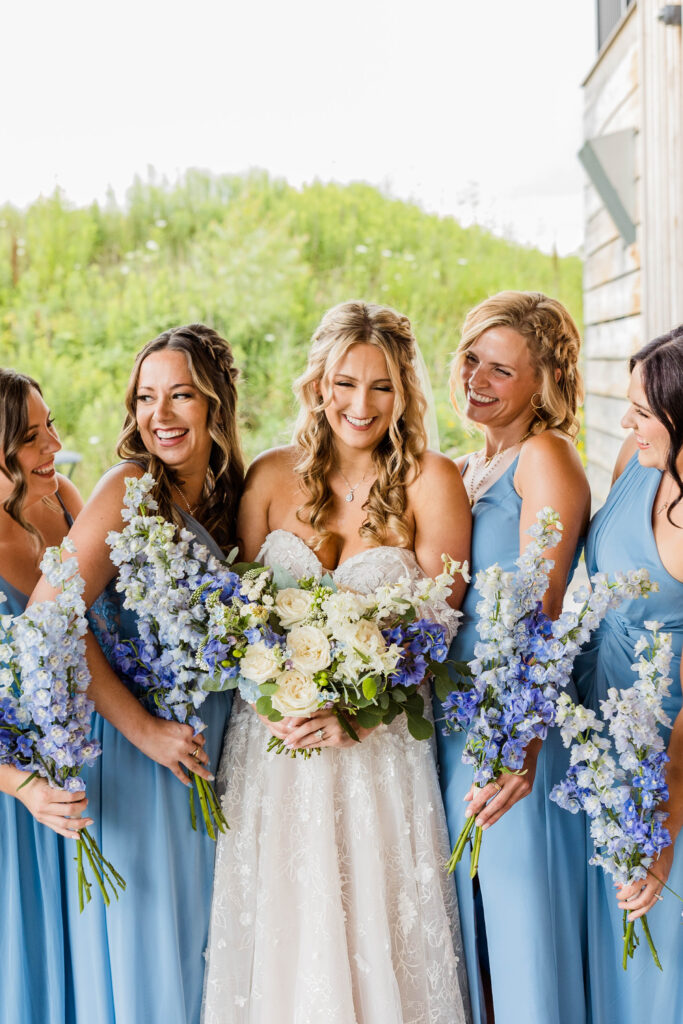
(33, 965)
(621, 538)
(531, 867)
(141, 961)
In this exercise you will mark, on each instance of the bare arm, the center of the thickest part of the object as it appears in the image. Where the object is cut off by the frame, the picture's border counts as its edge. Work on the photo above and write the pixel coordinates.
(625, 453)
(252, 516)
(443, 520)
(549, 473)
(169, 743)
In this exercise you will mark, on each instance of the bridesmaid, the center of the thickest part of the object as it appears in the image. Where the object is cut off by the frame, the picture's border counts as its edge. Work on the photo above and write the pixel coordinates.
(36, 510)
(641, 525)
(142, 959)
(518, 365)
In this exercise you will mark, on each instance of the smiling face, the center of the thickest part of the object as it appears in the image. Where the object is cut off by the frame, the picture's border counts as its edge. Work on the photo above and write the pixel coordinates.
(171, 412)
(37, 450)
(499, 380)
(361, 397)
(651, 435)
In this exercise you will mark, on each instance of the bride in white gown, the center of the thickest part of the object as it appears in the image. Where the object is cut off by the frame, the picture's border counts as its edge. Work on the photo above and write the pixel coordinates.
(331, 904)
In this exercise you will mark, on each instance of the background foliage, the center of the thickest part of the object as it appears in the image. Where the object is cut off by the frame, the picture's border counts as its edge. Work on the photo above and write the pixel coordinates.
(81, 290)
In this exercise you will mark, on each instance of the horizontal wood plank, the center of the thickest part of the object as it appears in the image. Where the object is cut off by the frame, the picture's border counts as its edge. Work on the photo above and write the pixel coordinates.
(615, 339)
(614, 299)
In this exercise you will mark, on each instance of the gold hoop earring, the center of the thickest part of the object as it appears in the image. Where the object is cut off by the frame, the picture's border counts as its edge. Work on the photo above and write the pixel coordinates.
(536, 402)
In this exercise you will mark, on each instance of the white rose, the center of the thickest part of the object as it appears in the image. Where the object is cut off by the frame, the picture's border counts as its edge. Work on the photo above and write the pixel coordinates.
(365, 637)
(308, 649)
(297, 694)
(293, 605)
(260, 663)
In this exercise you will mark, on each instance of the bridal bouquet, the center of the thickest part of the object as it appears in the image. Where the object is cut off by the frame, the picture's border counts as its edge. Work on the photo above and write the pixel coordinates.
(159, 569)
(44, 708)
(620, 783)
(294, 646)
(507, 695)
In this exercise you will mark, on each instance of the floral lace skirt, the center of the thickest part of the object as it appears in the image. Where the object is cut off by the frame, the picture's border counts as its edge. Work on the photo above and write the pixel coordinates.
(331, 903)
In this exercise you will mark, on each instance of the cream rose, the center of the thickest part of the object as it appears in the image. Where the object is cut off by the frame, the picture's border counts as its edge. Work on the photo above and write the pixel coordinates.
(297, 694)
(293, 605)
(308, 649)
(365, 637)
(260, 663)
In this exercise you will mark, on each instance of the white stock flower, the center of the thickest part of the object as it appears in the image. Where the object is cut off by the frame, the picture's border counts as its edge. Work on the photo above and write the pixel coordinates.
(293, 605)
(308, 649)
(260, 663)
(297, 694)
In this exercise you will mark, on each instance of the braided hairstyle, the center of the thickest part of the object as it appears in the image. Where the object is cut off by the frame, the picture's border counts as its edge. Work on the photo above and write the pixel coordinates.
(661, 367)
(396, 457)
(14, 393)
(553, 342)
(214, 374)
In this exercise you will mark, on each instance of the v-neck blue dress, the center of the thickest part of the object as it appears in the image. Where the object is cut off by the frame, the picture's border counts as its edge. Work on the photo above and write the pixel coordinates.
(531, 867)
(621, 538)
(34, 986)
(141, 961)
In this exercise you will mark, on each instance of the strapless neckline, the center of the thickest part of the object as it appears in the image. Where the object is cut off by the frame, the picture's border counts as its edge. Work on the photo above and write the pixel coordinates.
(345, 562)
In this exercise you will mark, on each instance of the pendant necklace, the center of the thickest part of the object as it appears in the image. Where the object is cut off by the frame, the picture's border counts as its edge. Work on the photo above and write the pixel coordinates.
(351, 490)
(190, 509)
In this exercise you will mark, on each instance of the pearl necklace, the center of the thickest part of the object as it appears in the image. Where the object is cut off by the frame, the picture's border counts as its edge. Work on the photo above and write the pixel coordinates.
(484, 467)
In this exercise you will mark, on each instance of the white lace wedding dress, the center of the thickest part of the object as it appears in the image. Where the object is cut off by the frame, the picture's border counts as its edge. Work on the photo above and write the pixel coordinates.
(331, 904)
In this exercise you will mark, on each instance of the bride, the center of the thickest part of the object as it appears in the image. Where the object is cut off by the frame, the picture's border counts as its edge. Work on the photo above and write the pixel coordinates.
(331, 903)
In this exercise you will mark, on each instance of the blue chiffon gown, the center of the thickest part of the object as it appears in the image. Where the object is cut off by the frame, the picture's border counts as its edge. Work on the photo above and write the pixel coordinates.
(621, 538)
(33, 973)
(532, 865)
(141, 961)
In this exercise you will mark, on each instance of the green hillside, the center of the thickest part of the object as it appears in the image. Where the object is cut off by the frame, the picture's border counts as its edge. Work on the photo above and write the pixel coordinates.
(81, 289)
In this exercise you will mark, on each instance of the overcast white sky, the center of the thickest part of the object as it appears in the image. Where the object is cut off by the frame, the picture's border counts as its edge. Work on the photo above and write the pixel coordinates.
(470, 107)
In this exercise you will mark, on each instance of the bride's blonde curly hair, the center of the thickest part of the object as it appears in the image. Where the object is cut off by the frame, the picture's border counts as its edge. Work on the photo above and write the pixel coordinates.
(553, 342)
(397, 456)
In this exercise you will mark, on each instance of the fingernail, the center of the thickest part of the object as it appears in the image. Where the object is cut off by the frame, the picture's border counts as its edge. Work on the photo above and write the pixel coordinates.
(469, 812)
(487, 825)
(478, 823)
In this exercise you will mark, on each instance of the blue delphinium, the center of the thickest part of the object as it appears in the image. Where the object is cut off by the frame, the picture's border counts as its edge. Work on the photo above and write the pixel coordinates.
(621, 781)
(45, 711)
(507, 696)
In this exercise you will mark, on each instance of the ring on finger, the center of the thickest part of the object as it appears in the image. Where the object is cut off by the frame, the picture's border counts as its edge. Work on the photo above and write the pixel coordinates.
(320, 733)
(497, 788)
(195, 753)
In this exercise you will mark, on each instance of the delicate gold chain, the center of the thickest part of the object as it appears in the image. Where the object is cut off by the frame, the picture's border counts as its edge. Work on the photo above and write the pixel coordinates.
(190, 510)
(488, 464)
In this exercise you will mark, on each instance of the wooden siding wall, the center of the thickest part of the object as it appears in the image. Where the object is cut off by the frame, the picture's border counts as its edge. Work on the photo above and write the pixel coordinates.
(632, 293)
(612, 312)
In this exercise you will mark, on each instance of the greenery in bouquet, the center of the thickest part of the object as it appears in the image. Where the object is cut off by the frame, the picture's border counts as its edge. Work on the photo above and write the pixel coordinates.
(44, 707)
(507, 695)
(159, 569)
(620, 782)
(294, 646)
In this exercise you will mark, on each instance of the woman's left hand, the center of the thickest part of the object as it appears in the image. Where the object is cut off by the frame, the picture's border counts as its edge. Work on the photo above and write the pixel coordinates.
(507, 790)
(641, 896)
(322, 729)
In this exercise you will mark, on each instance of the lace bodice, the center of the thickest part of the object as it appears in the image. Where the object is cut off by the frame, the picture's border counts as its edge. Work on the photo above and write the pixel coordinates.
(363, 572)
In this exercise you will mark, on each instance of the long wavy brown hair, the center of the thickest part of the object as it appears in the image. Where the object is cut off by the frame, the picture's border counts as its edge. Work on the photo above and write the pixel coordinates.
(14, 391)
(553, 341)
(214, 374)
(396, 458)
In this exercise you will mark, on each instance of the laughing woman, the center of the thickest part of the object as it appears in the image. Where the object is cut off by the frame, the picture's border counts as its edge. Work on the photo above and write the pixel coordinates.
(641, 525)
(142, 959)
(36, 510)
(518, 366)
